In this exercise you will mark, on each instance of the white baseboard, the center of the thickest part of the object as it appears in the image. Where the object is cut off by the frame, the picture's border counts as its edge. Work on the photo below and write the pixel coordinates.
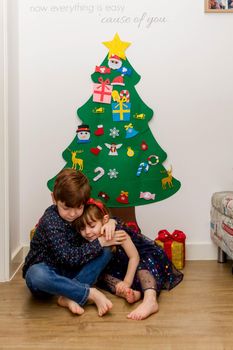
(17, 259)
(201, 251)
(194, 251)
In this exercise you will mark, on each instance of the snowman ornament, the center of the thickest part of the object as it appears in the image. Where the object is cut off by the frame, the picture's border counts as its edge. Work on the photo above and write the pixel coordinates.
(114, 62)
(83, 134)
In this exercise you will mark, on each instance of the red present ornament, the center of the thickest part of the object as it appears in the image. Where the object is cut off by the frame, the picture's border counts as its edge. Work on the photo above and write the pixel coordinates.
(173, 245)
(103, 91)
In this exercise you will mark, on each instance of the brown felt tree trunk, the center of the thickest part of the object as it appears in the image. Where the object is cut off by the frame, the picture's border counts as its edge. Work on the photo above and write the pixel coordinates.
(126, 214)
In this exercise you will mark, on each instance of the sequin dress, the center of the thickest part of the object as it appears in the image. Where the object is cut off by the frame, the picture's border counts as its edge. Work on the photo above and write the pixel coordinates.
(159, 272)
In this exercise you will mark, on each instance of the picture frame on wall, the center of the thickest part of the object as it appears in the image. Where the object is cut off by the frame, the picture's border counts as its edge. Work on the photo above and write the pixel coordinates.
(219, 6)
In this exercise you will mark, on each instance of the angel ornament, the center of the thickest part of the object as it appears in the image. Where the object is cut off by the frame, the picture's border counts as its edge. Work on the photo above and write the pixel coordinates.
(113, 147)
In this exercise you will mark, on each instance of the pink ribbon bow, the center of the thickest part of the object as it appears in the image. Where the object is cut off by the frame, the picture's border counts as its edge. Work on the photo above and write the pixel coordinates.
(103, 82)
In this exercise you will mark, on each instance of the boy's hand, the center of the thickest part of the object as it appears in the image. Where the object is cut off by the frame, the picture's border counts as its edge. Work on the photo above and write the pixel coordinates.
(108, 229)
(118, 238)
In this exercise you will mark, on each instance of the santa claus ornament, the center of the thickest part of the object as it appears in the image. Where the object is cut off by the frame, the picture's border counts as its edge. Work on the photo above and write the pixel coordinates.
(114, 62)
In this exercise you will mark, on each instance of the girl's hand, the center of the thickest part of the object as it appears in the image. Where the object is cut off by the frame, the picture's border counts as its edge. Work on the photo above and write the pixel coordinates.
(118, 238)
(108, 229)
(122, 287)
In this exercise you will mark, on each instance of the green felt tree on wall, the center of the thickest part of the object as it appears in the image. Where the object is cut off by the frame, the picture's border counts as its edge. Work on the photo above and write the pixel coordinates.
(114, 145)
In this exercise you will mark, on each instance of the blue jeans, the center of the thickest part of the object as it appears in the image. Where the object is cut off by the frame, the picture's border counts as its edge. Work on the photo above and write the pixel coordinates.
(44, 280)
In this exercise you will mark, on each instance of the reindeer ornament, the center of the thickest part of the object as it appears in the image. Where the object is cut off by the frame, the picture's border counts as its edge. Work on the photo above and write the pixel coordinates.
(76, 161)
(168, 179)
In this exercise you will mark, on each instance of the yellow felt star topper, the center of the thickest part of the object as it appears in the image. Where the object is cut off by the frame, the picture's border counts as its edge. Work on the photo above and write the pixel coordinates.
(117, 47)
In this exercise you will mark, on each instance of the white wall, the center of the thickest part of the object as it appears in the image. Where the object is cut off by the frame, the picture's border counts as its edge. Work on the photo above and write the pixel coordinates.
(185, 63)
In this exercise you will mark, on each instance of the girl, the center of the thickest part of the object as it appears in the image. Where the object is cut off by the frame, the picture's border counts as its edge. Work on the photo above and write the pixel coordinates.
(147, 275)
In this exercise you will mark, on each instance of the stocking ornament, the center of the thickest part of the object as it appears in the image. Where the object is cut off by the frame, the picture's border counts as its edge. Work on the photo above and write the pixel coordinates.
(99, 131)
(96, 150)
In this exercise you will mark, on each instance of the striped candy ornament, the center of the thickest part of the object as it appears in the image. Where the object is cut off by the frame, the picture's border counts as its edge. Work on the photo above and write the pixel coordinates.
(144, 166)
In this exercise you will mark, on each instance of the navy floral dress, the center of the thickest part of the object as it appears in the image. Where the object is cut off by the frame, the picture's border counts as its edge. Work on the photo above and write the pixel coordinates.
(161, 273)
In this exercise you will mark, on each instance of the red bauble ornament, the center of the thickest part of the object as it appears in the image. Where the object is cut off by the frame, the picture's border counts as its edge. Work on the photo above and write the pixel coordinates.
(144, 146)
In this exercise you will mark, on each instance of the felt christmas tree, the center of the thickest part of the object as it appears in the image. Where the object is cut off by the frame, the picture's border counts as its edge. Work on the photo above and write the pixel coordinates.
(113, 144)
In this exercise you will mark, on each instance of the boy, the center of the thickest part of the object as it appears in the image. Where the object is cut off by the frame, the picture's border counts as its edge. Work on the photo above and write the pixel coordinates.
(58, 262)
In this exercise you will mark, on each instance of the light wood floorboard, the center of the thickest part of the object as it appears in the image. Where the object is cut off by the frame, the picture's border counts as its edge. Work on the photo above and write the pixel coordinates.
(197, 314)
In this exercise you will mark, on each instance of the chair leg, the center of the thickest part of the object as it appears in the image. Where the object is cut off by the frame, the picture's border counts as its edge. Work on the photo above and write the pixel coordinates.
(222, 257)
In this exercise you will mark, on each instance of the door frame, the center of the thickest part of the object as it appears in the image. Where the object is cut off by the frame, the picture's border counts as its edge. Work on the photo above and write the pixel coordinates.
(4, 149)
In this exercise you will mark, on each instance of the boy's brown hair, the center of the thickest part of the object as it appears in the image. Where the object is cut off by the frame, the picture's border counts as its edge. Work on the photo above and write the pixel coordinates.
(72, 188)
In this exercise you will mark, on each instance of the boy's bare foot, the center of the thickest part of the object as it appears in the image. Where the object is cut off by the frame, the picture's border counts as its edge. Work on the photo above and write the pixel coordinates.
(102, 302)
(148, 306)
(71, 305)
(130, 295)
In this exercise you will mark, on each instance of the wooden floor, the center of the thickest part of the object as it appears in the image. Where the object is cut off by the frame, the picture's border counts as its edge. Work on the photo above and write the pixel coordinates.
(197, 314)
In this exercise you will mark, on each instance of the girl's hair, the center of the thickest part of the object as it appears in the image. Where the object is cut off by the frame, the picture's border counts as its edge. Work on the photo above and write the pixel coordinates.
(71, 187)
(94, 211)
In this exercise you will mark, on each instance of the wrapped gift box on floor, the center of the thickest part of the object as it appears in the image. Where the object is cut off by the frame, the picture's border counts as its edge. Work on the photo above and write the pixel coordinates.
(121, 111)
(173, 245)
(32, 232)
(133, 226)
(102, 92)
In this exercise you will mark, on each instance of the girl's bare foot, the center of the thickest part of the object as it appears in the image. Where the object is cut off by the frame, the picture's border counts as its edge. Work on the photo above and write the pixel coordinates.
(71, 305)
(102, 302)
(129, 294)
(148, 306)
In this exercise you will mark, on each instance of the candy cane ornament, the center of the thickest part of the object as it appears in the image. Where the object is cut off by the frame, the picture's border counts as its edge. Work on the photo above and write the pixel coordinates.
(126, 94)
(100, 172)
(142, 166)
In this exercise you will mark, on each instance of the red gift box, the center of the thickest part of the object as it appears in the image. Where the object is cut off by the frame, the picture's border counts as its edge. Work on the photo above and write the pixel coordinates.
(103, 91)
(173, 245)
